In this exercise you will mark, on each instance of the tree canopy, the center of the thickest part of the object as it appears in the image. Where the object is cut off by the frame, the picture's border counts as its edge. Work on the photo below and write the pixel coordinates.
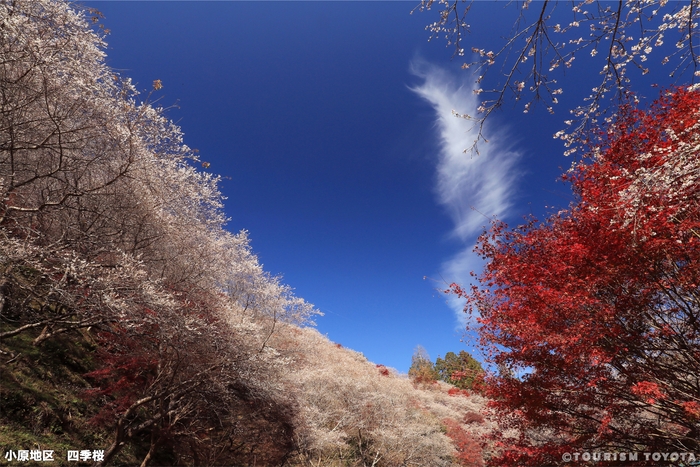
(593, 314)
(460, 370)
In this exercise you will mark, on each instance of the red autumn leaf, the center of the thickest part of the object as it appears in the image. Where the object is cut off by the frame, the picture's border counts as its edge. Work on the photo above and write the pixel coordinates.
(592, 315)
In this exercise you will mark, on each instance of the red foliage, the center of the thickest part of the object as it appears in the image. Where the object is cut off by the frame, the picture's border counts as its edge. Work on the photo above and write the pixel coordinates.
(692, 408)
(469, 452)
(648, 391)
(384, 371)
(473, 417)
(458, 392)
(424, 380)
(591, 316)
(479, 384)
(127, 367)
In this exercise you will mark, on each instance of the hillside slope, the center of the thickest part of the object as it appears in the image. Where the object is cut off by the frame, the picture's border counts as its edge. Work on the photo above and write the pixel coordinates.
(134, 328)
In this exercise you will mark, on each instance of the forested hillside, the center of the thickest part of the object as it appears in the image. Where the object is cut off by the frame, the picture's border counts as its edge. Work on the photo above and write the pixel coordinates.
(134, 328)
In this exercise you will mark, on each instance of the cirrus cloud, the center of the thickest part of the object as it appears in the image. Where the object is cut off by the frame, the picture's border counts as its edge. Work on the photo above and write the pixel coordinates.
(473, 188)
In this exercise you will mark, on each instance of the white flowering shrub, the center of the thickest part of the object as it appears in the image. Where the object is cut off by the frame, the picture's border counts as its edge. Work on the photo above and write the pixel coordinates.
(108, 229)
(354, 412)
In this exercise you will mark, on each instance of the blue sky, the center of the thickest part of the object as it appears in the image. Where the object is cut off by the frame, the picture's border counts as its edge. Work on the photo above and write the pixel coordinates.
(331, 123)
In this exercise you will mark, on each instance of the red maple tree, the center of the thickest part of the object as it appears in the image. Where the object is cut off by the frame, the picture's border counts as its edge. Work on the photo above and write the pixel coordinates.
(592, 315)
(469, 451)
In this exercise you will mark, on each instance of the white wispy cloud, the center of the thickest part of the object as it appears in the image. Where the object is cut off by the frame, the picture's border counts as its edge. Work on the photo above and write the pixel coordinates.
(473, 188)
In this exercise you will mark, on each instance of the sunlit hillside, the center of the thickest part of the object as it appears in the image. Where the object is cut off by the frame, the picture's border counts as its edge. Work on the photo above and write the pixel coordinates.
(134, 328)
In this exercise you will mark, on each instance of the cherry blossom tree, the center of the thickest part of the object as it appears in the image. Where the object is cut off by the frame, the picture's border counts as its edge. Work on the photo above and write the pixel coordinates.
(357, 413)
(108, 228)
(61, 113)
(548, 36)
